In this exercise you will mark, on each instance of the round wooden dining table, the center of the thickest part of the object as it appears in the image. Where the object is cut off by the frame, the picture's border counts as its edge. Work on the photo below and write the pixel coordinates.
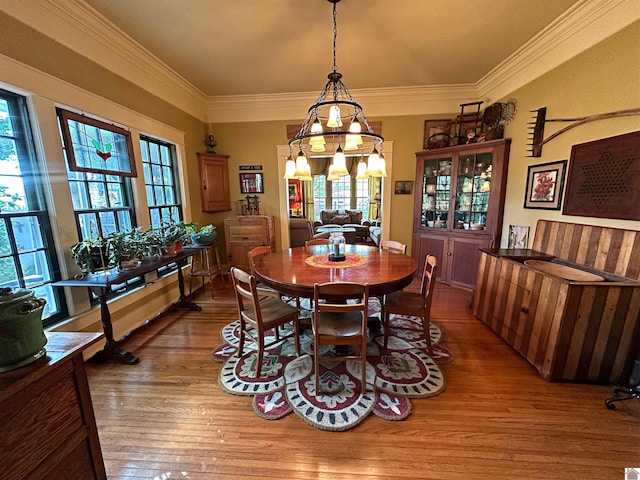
(295, 271)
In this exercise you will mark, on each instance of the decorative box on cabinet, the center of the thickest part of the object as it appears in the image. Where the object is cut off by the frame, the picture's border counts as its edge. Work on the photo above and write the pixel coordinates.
(48, 427)
(214, 182)
(459, 202)
(243, 233)
(568, 330)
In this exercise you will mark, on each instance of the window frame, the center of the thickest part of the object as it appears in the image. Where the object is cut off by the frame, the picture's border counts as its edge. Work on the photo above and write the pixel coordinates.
(31, 176)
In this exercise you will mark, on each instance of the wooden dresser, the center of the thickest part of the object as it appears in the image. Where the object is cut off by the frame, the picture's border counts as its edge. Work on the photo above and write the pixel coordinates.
(48, 428)
(577, 330)
(243, 233)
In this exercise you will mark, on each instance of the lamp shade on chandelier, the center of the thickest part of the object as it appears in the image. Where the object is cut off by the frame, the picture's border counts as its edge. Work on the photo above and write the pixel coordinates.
(335, 126)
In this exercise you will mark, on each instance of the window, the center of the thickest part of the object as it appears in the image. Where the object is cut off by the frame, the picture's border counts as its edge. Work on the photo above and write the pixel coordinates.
(319, 195)
(341, 193)
(160, 179)
(27, 258)
(345, 193)
(102, 203)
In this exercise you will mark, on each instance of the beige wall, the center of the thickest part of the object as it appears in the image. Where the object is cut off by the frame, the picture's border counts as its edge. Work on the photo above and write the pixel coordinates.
(603, 79)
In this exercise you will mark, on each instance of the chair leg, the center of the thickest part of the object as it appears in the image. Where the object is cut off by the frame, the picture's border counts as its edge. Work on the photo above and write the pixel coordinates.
(296, 333)
(363, 354)
(316, 365)
(260, 355)
(385, 326)
(426, 334)
(241, 346)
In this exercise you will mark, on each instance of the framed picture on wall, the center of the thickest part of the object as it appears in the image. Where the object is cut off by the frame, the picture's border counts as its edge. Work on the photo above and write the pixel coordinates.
(251, 183)
(403, 187)
(545, 183)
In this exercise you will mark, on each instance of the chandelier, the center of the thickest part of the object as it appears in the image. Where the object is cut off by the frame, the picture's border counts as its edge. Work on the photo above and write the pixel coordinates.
(336, 124)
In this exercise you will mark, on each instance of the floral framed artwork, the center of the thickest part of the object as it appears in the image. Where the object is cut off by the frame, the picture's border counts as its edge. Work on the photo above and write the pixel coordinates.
(545, 183)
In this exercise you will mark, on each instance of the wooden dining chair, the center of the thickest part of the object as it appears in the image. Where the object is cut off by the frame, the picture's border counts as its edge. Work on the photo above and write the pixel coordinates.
(343, 323)
(260, 315)
(393, 246)
(316, 241)
(413, 304)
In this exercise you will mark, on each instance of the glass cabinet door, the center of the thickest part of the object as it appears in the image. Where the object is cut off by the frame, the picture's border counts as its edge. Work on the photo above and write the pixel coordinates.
(472, 190)
(436, 192)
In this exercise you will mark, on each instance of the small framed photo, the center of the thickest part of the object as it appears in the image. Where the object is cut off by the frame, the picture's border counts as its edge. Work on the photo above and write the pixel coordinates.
(436, 134)
(251, 183)
(545, 183)
(403, 187)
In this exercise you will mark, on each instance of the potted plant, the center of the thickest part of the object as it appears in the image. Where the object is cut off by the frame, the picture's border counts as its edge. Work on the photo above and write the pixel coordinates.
(127, 248)
(205, 235)
(172, 234)
(92, 255)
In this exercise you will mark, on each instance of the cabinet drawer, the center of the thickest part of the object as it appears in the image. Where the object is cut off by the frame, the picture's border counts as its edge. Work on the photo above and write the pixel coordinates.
(245, 232)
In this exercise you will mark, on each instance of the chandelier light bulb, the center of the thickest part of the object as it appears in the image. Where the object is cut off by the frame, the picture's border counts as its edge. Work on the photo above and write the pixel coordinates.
(362, 169)
(334, 117)
(290, 168)
(340, 163)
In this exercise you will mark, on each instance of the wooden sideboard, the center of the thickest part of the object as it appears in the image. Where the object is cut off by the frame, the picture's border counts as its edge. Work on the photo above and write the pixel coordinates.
(48, 427)
(569, 330)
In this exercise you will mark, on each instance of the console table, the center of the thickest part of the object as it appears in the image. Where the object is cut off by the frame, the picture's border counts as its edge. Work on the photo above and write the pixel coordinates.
(100, 284)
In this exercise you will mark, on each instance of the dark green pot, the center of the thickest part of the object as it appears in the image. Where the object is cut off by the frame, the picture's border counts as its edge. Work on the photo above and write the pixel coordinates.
(22, 337)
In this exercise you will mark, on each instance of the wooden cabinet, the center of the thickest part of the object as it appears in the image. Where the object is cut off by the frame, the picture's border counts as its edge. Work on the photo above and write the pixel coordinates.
(48, 427)
(214, 182)
(568, 330)
(243, 233)
(459, 202)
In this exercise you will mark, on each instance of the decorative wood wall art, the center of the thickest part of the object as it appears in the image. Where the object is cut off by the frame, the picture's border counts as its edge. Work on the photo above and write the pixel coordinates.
(544, 185)
(604, 178)
(537, 130)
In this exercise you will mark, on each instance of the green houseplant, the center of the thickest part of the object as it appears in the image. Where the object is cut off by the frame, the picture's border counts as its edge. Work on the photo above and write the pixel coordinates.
(205, 235)
(127, 249)
(92, 255)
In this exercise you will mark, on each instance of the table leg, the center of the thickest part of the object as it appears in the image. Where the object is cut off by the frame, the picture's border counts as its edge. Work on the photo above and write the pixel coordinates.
(111, 351)
(184, 301)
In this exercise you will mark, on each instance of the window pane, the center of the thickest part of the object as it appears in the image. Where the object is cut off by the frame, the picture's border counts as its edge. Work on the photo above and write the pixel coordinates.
(115, 195)
(167, 176)
(46, 292)
(79, 195)
(168, 195)
(156, 174)
(88, 225)
(151, 198)
(159, 194)
(154, 153)
(35, 269)
(165, 155)
(155, 217)
(108, 223)
(5, 247)
(8, 273)
(97, 195)
(6, 128)
(124, 220)
(27, 233)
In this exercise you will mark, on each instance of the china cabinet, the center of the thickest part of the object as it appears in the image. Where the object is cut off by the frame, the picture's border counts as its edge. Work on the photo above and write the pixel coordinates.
(214, 182)
(459, 202)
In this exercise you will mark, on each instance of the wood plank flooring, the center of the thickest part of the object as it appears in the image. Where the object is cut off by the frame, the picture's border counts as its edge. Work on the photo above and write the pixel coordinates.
(166, 418)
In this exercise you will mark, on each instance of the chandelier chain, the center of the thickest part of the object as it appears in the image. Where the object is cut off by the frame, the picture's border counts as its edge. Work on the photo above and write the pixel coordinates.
(335, 36)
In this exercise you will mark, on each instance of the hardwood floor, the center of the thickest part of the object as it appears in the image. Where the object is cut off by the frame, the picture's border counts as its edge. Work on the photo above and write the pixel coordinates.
(167, 418)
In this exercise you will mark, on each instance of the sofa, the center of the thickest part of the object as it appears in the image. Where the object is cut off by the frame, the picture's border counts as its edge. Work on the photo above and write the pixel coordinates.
(344, 218)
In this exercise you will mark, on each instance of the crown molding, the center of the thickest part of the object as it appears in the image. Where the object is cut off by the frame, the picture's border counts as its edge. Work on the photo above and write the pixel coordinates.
(376, 102)
(77, 26)
(581, 27)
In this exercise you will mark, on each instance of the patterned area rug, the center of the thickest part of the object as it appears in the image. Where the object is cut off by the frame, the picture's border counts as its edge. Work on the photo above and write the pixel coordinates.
(394, 376)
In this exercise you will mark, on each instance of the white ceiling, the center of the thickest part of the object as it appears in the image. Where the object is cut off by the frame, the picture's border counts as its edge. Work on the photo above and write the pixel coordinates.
(236, 47)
